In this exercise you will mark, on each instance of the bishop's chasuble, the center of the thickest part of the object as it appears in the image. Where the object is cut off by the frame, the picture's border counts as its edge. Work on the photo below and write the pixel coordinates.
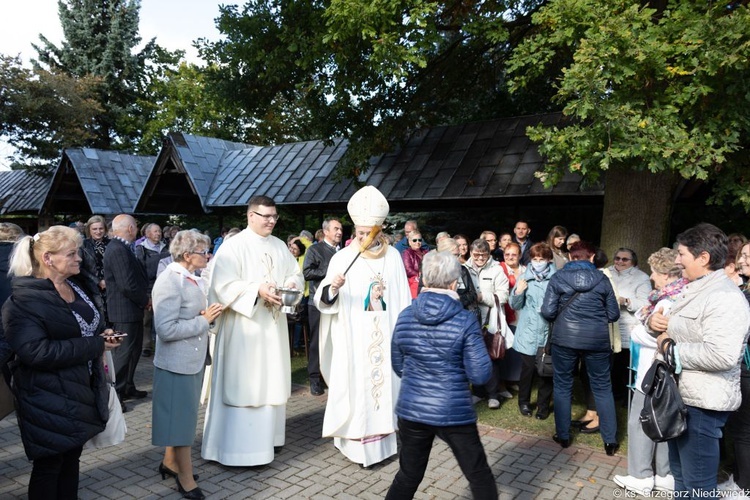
(355, 351)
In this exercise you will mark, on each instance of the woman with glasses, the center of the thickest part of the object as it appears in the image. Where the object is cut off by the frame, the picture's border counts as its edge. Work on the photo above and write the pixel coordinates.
(413, 261)
(708, 326)
(633, 287)
(182, 318)
(490, 282)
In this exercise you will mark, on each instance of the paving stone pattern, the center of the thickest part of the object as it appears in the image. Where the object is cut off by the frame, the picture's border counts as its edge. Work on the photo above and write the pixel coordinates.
(309, 466)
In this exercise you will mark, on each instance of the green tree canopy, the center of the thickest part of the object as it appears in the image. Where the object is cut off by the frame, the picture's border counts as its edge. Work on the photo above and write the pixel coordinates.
(100, 37)
(42, 112)
(660, 89)
(368, 70)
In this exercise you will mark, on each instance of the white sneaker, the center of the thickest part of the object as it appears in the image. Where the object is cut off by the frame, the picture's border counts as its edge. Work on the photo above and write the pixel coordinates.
(505, 394)
(493, 404)
(664, 483)
(639, 486)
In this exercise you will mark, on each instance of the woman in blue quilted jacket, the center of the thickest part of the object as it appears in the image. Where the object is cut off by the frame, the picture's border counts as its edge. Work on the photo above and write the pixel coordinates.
(437, 350)
(581, 302)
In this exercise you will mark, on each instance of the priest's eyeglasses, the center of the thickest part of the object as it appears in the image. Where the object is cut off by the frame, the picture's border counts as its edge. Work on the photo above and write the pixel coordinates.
(267, 217)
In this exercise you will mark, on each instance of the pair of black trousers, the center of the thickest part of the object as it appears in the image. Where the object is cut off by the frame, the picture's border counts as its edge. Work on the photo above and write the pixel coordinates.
(313, 354)
(55, 477)
(738, 426)
(416, 444)
(528, 375)
(127, 355)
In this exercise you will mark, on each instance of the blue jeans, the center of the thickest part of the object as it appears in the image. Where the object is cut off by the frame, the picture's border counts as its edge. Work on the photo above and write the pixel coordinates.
(416, 444)
(564, 360)
(694, 456)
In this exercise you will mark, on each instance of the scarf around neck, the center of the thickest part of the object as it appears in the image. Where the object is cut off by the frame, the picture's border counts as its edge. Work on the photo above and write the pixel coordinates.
(668, 291)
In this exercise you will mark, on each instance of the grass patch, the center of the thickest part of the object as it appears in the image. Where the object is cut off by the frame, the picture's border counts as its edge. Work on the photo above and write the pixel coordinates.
(508, 417)
(299, 370)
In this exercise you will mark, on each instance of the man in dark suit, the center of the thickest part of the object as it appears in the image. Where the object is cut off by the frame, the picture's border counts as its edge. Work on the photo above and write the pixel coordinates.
(127, 298)
(522, 231)
(315, 268)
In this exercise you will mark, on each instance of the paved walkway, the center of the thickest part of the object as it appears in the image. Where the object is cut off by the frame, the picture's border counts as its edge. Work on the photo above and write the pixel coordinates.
(310, 467)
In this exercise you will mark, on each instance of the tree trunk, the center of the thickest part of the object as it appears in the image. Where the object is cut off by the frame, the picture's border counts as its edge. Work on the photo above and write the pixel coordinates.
(637, 211)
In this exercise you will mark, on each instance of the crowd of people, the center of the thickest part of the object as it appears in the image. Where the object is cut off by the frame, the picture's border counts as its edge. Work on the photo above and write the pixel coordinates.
(395, 329)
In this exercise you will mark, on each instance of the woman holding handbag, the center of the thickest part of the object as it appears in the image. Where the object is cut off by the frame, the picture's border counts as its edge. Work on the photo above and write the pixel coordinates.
(492, 293)
(581, 302)
(709, 325)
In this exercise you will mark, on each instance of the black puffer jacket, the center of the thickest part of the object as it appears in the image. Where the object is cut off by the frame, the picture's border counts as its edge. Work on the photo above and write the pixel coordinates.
(60, 404)
(584, 322)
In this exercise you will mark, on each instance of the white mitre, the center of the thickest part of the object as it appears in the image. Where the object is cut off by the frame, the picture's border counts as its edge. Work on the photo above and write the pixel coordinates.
(368, 207)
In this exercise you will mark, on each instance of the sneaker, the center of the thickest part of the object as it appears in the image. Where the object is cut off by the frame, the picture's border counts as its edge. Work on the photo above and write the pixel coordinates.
(728, 485)
(639, 486)
(505, 394)
(665, 483)
(493, 404)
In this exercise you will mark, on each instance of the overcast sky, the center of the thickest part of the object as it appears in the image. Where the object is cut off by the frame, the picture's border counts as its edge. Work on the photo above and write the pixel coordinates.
(174, 23)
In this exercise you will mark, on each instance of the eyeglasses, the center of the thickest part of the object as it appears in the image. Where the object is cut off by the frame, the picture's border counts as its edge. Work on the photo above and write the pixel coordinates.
(622, 259)
(478, 255)
(267, 217)
(203, 253)
(417, 240)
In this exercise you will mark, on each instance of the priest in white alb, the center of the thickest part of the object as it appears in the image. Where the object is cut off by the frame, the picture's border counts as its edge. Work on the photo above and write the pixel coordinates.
(358, 311)
(251, 381)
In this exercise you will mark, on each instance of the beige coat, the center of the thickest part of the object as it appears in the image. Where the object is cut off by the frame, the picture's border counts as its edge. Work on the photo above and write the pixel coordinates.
(709, 323)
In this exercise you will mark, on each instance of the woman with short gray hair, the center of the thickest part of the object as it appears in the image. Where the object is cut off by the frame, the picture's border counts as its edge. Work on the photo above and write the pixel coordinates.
(437, 350)
(181, 319)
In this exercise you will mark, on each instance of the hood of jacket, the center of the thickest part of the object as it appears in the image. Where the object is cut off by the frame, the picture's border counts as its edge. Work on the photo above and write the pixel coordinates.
(581, 275)
(431, 308)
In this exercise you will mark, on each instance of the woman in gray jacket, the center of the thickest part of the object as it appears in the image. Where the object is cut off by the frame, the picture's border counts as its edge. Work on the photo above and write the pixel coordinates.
(709, 325)
(182, 321)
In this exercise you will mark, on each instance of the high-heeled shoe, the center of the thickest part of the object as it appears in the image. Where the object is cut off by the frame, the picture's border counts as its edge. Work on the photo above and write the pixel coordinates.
(194, 494)
(166, 471)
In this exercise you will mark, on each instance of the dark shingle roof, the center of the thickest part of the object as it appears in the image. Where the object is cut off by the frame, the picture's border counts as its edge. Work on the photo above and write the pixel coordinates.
(102, 182)
(22, 192)
(484, 160)
(294, 173)
(185, 168)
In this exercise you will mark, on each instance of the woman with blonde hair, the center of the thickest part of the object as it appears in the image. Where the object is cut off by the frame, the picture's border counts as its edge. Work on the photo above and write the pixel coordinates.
(53, 328)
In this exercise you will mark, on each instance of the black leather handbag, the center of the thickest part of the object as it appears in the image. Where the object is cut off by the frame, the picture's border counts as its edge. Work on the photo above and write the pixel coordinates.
(664, 414)
(543, 362)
